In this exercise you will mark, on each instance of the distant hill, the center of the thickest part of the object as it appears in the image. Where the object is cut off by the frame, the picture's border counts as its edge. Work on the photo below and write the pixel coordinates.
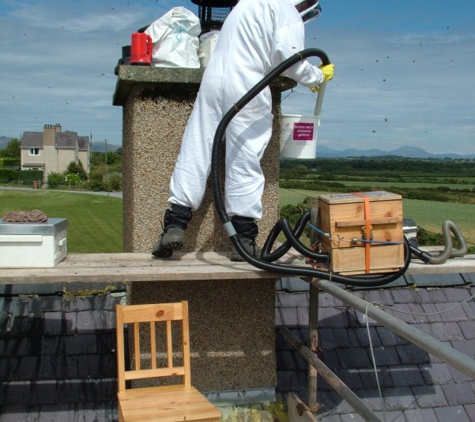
(4, 141)
(405, 151)
(101, 147)
(322, 151)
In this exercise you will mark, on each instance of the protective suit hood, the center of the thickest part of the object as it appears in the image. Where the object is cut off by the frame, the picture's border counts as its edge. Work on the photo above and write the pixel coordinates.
(308, 9)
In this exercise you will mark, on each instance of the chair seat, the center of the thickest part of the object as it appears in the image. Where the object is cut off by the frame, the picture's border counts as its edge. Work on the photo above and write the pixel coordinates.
(166, 404)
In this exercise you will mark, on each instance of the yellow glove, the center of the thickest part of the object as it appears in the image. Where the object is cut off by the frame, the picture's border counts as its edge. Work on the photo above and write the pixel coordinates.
(327, 75)
(327, 71)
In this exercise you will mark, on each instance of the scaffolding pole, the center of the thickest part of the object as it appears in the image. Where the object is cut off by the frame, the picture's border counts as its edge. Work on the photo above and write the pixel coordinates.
(451, 356)
(336, 383)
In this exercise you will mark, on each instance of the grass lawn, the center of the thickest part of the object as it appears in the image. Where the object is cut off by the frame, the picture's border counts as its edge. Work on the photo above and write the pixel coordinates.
(95, 222)
(427, 214)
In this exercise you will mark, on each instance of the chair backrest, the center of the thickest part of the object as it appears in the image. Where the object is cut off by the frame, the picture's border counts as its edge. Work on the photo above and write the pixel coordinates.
(138, 316)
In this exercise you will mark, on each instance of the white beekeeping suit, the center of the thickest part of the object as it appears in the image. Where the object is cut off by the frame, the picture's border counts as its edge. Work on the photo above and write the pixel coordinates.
(257, 36)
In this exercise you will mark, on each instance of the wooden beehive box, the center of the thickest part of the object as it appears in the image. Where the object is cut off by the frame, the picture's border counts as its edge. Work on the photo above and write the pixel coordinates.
(346, 218)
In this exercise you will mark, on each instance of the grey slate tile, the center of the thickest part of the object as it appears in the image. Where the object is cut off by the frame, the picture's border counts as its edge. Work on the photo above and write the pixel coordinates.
(326, 300)
(291, 317)
(56, 323)
(286, 360)
(432, 295)
(333, 338)
(457, 294)
(444, 331)
(290, 381)
(353, 358)
(467, 347)
(429, 396)
(372, 399)
(435, 280)
(292, 300)
(405, 296)
(410, 354)
(459, 376)
(469, 278)
(470, 409)
(436, 373)
(452, 311)
(351, 378)
(389, 338)
(459, 393)
(420, 415)
(397, 416)
(293, 284)
(379, 296)
(330, 359)
(406, 376)
(418, 313)
(31, 289)
(333, 318)
(358, 337)
(452, 414)
(469, 308)
(368, 378)
(431, 312)
(352, 417)
(468, 329)
(362, 319)
(402, 312)
(398, 399)
(19, 414)
(386, 356)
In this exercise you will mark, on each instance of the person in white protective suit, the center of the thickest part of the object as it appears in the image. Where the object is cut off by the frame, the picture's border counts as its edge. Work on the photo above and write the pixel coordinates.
(256, 37)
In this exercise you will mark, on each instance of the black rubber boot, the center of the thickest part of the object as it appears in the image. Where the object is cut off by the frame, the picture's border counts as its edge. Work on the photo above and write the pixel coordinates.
(247, 231)
(175, 222)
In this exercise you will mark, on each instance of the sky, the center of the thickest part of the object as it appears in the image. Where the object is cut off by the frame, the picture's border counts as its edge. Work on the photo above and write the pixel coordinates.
(404, 71)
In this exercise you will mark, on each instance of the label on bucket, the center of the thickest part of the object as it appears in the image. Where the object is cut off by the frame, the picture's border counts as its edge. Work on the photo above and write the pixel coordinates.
(303, 132)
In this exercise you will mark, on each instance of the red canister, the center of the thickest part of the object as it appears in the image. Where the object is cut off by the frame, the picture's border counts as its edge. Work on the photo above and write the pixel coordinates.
(141, 49)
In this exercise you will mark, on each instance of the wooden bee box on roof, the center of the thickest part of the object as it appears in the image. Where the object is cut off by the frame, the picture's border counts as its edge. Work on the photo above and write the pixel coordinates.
(364, 232)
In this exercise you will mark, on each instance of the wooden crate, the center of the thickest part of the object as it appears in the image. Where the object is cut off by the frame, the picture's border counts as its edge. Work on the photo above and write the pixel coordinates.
(346, 217)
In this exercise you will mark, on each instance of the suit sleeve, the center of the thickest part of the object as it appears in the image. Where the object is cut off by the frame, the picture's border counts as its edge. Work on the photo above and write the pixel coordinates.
(288, 41)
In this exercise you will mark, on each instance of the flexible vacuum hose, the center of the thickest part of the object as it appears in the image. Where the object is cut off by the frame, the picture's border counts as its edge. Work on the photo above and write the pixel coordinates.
(265, 261)
(449, 251)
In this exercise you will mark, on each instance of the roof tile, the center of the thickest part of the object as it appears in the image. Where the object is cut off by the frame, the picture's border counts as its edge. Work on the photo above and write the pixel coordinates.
(429, 396)
(420, 415)
(452, 414)
(459, 393)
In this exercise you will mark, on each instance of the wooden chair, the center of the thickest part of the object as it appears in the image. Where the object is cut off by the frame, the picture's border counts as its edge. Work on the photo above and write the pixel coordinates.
(164, 403)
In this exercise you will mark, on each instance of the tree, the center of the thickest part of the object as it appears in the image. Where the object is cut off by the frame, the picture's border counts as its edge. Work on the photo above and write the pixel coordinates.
(13, 149)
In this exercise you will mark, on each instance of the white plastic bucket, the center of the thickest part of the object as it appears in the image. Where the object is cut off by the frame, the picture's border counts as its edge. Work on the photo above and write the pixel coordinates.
(298, 137)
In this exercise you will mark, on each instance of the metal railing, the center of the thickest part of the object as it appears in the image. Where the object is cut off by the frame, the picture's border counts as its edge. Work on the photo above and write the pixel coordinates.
(451, 356)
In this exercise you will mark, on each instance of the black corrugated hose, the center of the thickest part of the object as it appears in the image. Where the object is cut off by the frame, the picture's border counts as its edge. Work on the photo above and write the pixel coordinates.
(265, 261)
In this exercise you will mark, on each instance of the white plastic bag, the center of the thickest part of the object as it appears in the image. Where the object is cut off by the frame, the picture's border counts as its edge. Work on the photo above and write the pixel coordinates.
(175, 39)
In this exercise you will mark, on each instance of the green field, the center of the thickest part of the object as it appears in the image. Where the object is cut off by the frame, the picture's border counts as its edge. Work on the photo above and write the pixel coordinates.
(428, 214)
(95, 222)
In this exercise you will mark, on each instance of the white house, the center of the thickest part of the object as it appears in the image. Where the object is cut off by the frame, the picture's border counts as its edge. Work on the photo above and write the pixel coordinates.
(53, 150)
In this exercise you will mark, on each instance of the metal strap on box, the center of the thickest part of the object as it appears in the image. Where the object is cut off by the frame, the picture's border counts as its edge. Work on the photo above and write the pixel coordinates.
(367, 215)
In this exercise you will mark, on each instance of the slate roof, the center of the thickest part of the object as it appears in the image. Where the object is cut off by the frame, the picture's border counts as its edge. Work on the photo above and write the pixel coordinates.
(63, 140)
(416, 386)
(66, 344)
(57, 352)
(66, 140)
(32, 140)
(83, 143)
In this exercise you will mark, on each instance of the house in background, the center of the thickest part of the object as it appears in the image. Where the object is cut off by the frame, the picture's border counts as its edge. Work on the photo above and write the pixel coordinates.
(52, 150)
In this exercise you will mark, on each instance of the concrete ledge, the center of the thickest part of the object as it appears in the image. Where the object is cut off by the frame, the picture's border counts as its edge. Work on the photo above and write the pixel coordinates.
(125, 267)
